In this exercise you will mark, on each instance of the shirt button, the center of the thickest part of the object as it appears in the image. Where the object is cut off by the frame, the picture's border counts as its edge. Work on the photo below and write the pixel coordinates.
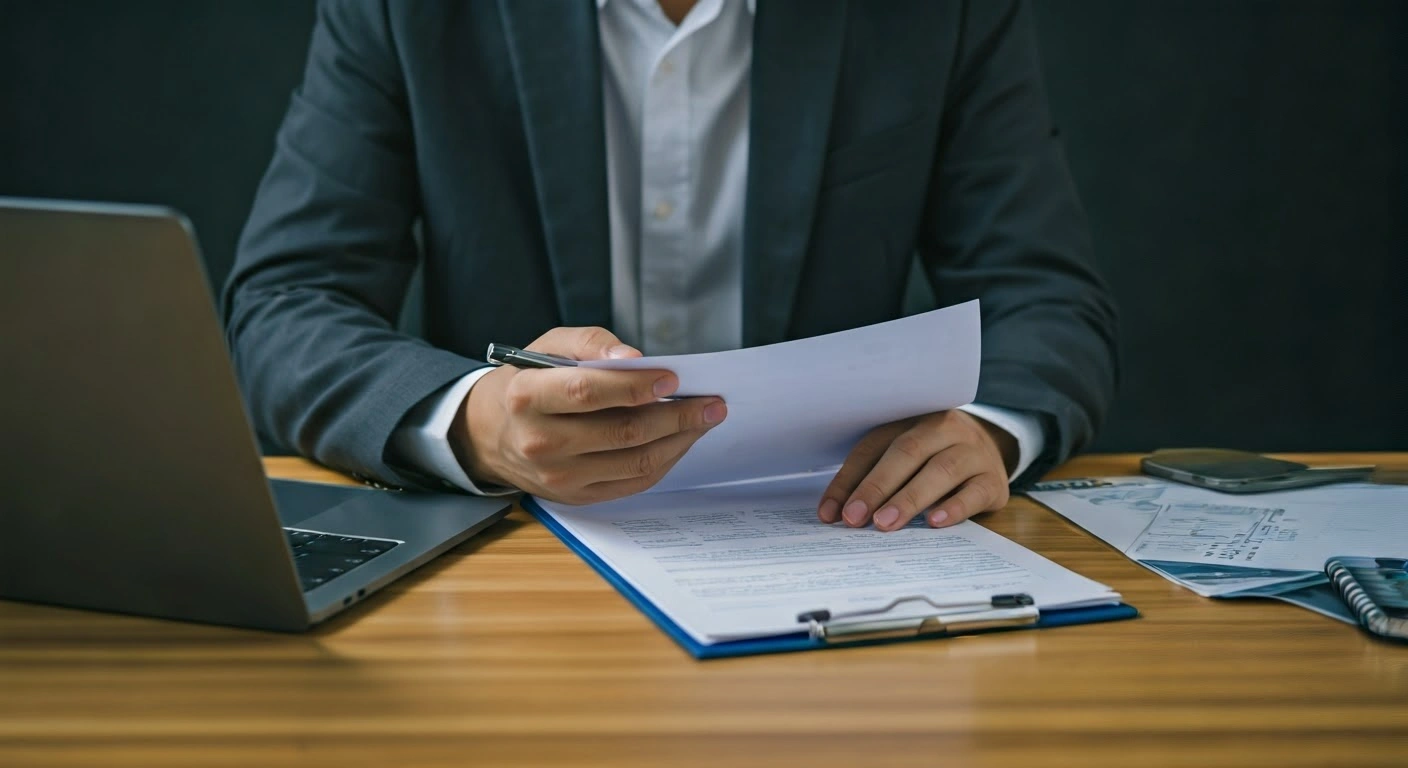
(663, 209)
(665, 331)
(667, 67)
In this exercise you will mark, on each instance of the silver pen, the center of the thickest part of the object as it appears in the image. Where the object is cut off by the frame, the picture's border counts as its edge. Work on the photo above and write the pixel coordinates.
(504, 354)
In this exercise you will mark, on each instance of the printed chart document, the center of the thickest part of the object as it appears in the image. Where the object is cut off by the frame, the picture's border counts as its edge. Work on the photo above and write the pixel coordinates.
(1224, 545)
(800, 406)
(743, 560)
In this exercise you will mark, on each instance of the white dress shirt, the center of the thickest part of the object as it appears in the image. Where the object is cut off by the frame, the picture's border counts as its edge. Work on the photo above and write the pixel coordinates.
(676, 119)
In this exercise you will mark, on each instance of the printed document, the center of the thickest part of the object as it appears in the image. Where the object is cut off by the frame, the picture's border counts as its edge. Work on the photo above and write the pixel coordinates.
(1226, 545)
(743, 560)
(799, 406)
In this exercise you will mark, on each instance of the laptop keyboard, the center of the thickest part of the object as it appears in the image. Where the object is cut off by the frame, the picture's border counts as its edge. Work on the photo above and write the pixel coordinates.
(321, 557)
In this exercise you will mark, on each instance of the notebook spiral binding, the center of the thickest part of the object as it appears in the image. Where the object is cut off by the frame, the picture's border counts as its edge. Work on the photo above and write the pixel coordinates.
(1370, 615)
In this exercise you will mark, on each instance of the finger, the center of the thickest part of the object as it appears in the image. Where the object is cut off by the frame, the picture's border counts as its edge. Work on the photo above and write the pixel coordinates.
(632, 470)
(616, 489)
(939, 476)
(618, 428)
(581, 390)
(906, 454)
(858, 463)
(589, 343)
(986, 492)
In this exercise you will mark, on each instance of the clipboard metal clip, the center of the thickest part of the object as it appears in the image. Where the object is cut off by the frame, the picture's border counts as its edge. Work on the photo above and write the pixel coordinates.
(999, 611)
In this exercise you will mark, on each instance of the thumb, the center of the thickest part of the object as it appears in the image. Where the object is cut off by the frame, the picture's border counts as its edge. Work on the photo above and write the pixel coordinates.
(589, 343)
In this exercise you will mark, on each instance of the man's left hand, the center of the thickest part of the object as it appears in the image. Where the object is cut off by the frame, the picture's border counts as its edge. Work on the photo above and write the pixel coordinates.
(947, 465)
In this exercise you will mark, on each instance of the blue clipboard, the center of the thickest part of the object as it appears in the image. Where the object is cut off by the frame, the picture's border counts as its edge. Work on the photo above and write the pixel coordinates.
(799, 641)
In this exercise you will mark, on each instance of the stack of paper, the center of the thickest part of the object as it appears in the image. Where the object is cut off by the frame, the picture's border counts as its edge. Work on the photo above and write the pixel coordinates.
(1239, 545)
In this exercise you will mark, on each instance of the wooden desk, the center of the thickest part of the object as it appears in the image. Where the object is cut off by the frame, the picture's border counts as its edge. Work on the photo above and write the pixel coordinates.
(510, 650)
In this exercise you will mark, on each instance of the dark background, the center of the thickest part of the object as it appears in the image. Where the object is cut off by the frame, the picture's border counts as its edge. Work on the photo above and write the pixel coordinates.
(1244, 164)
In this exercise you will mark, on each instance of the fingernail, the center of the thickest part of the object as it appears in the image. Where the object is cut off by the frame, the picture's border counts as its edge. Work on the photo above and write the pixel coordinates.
(619, 351)
(887, 517)
(828, 511)
(663, 387)
(714, 413)
(938, 518)
(855, 512)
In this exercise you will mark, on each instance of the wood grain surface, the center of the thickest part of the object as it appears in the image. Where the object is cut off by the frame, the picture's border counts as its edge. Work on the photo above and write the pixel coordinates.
(511, 651)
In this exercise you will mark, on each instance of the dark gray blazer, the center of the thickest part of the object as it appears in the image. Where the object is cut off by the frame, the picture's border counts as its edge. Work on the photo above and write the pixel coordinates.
(879, 130)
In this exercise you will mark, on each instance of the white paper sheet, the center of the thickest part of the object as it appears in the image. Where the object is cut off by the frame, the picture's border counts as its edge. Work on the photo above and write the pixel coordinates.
(800, 406)
(1288, 536)
(1150, 519)
(737, 562)
(1220, 544)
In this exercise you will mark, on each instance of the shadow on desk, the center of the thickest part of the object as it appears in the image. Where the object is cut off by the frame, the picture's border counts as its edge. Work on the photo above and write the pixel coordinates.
(60, 628)
(384, 597)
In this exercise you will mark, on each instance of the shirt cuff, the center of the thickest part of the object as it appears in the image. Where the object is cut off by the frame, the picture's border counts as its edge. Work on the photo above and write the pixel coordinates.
(422, 441)
(1025, 428)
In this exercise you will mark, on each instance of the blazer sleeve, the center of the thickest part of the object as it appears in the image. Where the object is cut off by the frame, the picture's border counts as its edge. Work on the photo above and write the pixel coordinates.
(1003, 224)
(323, 263)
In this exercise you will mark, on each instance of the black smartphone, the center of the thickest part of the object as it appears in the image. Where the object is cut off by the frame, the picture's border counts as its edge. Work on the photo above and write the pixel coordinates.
(1376, 589)
(1242, 472)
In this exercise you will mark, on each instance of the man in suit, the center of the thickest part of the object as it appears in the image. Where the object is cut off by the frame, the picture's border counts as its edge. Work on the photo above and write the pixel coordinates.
(693, 175)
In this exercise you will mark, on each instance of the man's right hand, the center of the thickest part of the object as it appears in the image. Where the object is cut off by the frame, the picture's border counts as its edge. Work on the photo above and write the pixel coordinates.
(578, 435)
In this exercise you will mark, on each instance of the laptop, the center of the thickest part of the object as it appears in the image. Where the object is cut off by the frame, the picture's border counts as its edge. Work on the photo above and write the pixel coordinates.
(130, 477)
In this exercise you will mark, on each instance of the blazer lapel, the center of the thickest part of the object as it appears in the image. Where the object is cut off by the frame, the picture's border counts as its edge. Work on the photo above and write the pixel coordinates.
(557, 64)
(796, 59)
